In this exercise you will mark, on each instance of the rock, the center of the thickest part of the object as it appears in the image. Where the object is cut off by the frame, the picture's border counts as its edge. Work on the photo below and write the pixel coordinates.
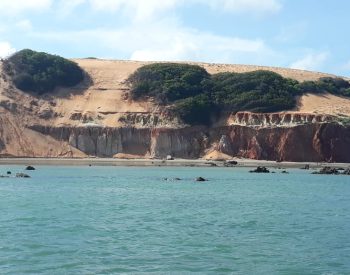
(2, 176)
(8, 173)
(200, 179)
(285, 172)
(22, 175)
(327, 171)
(260, 169)
(46, 114)
(306, 167)
(230, 163)
(30, 168)
(172, 179)
(169, 157)
(224, 145)
(212, 164)
(346, 172)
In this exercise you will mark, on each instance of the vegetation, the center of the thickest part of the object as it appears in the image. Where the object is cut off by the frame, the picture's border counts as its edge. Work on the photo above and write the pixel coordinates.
(41, 72)
(196, 96)
(168, 82)
(337, 86)
(260, 91)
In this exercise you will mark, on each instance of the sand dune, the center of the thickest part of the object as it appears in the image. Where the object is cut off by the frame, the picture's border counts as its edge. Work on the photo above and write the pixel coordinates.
(103, 97)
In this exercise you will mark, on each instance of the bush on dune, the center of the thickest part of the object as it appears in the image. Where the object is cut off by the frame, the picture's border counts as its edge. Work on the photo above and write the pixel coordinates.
(41, 72)
(197, 96)
(168, 82)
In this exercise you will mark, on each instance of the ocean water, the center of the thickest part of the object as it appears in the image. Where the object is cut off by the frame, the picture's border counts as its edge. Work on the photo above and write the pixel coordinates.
(111, 220)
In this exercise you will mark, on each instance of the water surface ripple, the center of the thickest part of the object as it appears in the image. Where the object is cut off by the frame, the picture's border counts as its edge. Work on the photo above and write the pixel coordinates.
(105, 220)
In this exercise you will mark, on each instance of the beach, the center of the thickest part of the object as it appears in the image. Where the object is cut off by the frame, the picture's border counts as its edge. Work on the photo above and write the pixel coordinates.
(160, 162)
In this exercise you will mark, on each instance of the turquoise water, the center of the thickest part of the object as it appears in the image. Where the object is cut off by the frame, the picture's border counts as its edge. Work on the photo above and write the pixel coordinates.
(105, 220)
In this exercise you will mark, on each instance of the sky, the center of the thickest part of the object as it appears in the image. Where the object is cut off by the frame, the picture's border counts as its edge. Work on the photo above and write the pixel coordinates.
(302, 34)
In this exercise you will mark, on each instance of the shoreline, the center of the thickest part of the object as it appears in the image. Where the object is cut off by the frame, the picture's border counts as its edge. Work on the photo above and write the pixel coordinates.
(249, 163)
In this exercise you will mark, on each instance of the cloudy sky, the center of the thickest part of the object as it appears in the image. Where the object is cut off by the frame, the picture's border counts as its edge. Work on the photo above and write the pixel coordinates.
(305, 34)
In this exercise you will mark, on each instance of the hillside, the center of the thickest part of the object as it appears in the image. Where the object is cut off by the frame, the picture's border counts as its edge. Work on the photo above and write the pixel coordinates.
(55, 124)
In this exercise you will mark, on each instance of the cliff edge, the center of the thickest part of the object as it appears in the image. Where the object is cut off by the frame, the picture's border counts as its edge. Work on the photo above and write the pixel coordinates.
(98, 117)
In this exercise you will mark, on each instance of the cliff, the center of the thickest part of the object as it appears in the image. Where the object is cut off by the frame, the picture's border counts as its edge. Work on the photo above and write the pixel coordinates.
(97, 118)
(308, 142)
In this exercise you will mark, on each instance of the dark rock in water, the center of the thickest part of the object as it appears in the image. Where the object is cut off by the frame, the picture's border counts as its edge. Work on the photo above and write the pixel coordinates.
(346, 172)
(22, 175)
(260, 169)
(200, 179)
(285, 172)
(327, 171)
(2, 176)
(212, 164)
(30, 168)
(172, 179)
(8, 173)
(306, 167)
(229, 163)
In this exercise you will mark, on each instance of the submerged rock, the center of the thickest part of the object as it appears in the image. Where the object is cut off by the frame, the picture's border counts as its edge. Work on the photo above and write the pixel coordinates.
(212, 164)
(347, 172)
(306, 167)
(8, 173)
(229, 163)
(22, 175)
(260, 169)
(201, 179)
(30, 168)
(327, 171)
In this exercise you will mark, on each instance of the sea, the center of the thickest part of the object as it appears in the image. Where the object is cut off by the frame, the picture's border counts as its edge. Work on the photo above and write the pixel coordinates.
(131, 220)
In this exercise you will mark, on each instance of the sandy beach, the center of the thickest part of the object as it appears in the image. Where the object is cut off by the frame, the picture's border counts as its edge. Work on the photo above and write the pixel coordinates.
(159, 162)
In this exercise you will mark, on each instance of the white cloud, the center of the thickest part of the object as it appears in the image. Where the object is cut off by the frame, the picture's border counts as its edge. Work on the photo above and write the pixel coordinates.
(67, 6)
(11, 7)
(6, 49)
(166, 41)
(186, 44)
(250, 6)
(311, 61)
(147, 9)
(138, 9)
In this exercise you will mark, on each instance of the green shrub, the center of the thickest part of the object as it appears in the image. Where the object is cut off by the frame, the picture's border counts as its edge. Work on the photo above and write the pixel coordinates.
(168, 82)
(197, 96)
(258, 90)
(41, 72)
(196, 110)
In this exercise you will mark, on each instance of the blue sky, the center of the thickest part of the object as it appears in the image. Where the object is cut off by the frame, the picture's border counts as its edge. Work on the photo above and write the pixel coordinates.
(305, 34)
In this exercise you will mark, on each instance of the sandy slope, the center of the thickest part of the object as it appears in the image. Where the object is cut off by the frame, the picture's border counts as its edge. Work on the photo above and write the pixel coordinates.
(324, 104)
(102, 98)
(105, 102)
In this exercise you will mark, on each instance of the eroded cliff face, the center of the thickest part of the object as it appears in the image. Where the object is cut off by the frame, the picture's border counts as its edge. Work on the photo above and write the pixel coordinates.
(311, 142)
(284, 119)
(97, 118)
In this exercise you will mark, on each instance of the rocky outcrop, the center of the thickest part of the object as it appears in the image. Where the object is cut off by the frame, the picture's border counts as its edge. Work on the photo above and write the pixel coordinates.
(285, 119)
(314, 142)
